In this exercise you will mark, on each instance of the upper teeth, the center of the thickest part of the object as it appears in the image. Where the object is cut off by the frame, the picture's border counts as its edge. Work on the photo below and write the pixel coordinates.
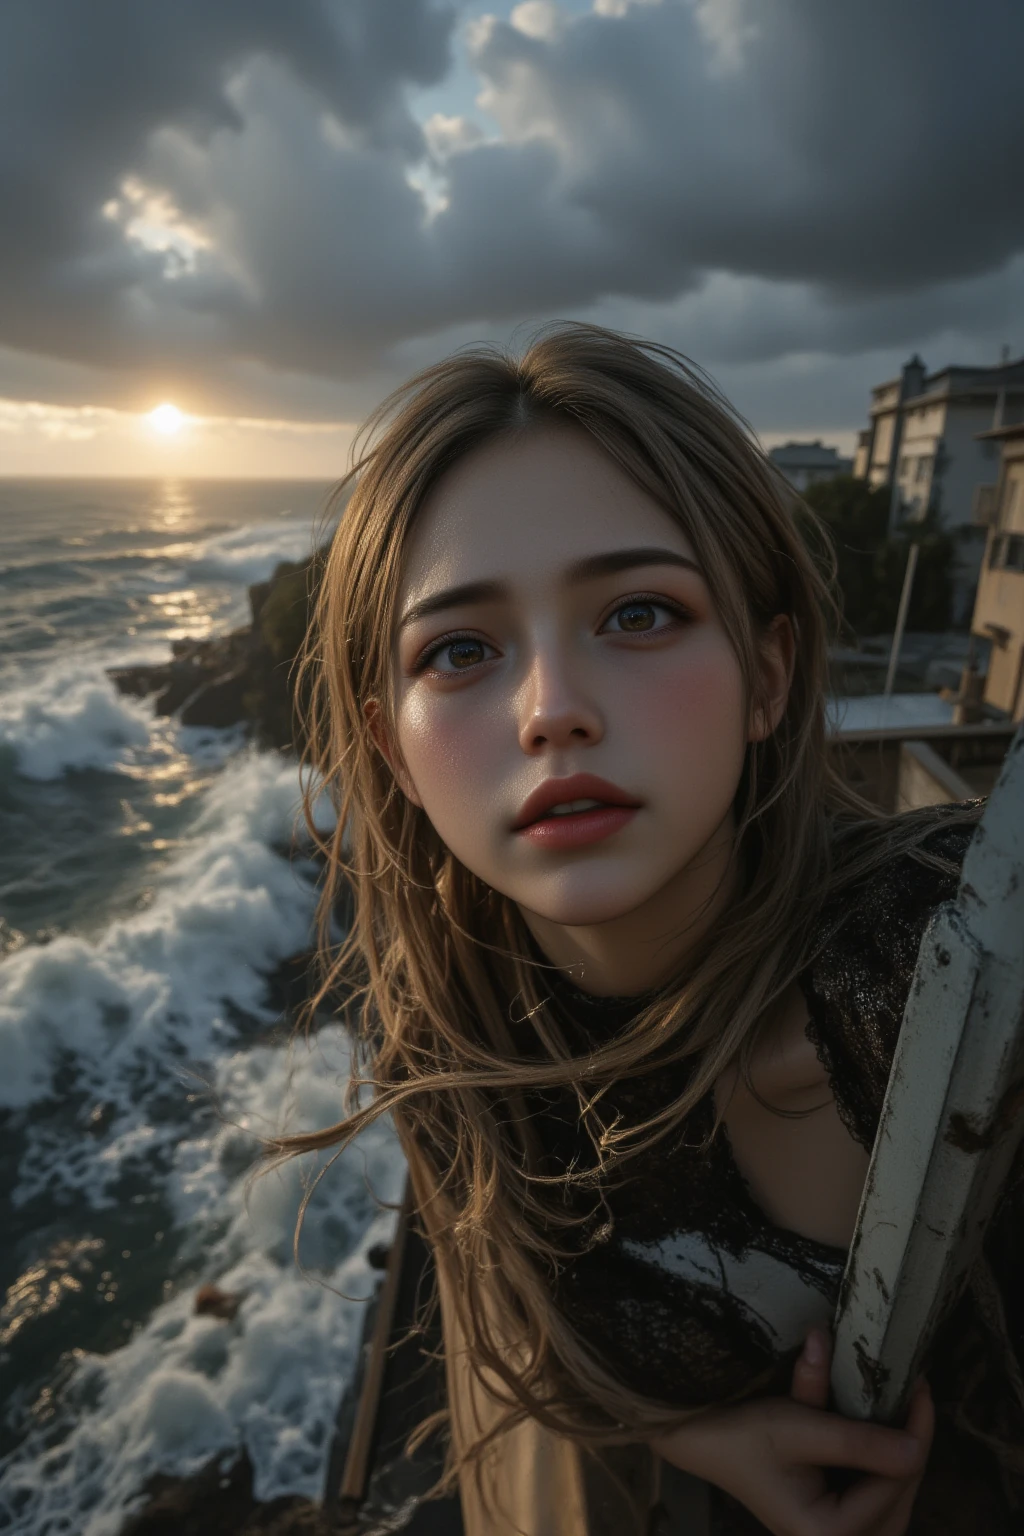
(567, 807)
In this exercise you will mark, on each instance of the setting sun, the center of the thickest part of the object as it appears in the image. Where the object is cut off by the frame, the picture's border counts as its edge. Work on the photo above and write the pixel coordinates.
(167, 419)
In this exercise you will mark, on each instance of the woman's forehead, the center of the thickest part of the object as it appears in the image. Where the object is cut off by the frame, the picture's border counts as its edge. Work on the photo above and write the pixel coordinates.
(528, 507)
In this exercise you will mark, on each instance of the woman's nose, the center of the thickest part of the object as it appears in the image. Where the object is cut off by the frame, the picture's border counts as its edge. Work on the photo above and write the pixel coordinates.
(556, 711)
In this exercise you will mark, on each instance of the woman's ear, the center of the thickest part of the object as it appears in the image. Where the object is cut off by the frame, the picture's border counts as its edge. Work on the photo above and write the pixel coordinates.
(777, 648)
(386, 746)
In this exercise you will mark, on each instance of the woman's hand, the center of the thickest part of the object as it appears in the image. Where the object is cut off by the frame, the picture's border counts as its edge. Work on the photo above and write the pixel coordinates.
(771, 1455)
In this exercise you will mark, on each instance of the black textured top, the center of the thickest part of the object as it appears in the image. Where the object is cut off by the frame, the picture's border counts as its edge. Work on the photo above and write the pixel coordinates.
(695, 1291)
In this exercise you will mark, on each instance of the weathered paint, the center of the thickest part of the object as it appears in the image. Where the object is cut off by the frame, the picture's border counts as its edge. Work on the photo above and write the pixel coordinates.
(951, 1122)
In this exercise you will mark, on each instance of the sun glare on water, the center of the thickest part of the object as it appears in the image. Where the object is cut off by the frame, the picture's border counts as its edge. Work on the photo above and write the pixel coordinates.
(167, 419)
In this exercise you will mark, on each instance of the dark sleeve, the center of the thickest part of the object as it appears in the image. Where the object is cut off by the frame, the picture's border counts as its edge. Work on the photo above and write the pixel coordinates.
(856, 989)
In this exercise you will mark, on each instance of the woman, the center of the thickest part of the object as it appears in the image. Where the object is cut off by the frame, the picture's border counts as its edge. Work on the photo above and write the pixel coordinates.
(632, 955)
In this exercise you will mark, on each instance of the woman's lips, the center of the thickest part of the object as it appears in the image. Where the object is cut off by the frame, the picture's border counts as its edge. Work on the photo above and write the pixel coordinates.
(578, 828)
(564, 791)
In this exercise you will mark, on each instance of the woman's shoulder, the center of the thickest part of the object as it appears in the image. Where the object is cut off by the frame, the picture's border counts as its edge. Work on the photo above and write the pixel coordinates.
(867, 942)
(917, 854)
(890, 877)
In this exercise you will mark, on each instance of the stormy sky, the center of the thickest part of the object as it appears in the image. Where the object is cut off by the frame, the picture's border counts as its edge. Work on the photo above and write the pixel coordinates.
(274, 210)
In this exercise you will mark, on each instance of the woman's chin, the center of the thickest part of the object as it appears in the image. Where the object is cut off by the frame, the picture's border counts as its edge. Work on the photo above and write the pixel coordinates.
(581, 909)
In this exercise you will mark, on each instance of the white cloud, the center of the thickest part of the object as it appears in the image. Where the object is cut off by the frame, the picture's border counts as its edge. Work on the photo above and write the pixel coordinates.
(537, 18)
(448, 135)
(149, 217)
(728, 26)
(619, 7)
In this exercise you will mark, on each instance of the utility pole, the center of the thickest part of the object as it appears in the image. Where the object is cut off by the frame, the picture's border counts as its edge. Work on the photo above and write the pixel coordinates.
(901, 617)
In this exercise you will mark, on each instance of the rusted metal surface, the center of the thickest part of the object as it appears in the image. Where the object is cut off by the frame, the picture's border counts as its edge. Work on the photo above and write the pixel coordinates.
(952, 1120)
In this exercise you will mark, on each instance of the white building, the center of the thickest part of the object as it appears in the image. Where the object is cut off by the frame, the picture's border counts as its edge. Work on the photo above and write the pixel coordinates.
(804, 464)
(999, 607)
(923, 443)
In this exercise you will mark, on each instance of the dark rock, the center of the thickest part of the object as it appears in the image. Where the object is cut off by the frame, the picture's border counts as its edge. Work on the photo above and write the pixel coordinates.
(221, 702)
(377, 1255)
(182, 683)
(218, 1501)
(257, 597)
(211, 1301)
(137, 682)
(248, 675)
(285, 610)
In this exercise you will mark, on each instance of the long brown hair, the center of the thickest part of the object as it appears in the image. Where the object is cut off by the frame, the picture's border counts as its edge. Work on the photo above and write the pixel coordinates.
(438, 966)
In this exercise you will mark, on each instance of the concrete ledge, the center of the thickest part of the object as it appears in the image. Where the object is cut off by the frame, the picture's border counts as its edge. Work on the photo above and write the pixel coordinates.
(925, 778)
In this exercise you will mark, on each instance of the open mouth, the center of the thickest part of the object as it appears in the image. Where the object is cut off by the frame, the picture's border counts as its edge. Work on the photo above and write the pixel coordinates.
(575, 823)
(572, 808)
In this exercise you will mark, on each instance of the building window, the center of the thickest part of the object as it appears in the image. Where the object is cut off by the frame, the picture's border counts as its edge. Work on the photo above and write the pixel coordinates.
(904, 468)
(1007, 552)
(1009, 513)
(924, 465)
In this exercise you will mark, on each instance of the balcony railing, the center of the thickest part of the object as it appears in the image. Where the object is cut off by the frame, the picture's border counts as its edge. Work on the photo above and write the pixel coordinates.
(983, 505)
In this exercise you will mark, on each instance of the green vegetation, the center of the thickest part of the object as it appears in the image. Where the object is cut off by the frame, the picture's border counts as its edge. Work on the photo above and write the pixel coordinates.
(285, 613)
(871, 565)
(282, 609)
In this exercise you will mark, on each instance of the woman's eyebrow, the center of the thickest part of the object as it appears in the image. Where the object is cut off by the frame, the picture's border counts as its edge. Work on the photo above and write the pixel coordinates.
(608, 564)
(454, 597)
(624, 560)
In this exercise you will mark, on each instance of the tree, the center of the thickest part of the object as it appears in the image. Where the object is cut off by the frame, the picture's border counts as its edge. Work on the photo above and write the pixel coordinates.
(870, 565)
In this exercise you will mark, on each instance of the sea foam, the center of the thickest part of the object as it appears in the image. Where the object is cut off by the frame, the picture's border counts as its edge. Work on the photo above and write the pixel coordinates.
(249, 553)
(70, 716)
(151, 990)
(132, 1015)
(188, 1387)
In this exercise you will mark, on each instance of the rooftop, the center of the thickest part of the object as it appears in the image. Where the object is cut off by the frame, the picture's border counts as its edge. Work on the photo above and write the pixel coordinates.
(812, 454)
(957, 380)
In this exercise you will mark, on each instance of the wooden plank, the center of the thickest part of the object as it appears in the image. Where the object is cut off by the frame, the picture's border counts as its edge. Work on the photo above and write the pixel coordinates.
(353, 1480)
(951, 1123)
(376, 1488)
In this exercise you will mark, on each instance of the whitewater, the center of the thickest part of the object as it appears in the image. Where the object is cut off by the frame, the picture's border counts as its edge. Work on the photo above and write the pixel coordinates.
(153, 886)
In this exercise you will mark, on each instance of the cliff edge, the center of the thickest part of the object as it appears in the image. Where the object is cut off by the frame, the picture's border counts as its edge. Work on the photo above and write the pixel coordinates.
(247, 675)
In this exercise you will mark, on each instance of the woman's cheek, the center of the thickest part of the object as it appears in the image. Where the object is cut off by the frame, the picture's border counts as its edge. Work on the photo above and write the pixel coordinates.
(698, 702)
(447, 752)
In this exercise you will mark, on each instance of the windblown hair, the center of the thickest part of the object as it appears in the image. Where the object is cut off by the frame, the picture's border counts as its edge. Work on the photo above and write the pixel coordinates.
(455, 1021)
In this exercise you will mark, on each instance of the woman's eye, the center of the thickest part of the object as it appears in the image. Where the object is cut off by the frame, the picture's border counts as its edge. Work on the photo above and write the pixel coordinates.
(457, 655)
(638, 616)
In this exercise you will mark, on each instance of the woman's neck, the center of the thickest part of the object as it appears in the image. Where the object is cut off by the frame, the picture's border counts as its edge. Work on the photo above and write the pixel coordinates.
(642, 949)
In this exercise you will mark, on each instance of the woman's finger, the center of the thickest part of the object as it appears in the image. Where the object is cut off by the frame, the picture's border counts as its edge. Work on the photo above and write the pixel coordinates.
(921, 1415)
(828, 1440)
(884, 1504)
(811, 1370)
(880, 1504)
(874, 1504)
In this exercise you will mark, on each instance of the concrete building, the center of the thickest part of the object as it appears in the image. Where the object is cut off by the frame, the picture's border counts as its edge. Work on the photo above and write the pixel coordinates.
(804, 464)
(929, 441)
(999, 606)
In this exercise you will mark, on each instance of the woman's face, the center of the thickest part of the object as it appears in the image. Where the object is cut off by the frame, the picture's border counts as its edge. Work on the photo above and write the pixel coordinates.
(569, 711)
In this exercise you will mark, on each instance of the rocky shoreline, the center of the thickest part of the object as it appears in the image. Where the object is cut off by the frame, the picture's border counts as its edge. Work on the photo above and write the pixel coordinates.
(247, 676)
(218, 1501)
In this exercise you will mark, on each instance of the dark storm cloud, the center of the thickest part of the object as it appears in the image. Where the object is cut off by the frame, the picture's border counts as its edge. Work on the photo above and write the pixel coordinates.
(872, 147)
(84, 87)
(850, 172)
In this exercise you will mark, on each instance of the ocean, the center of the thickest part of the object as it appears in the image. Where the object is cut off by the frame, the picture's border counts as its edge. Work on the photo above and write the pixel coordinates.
(152, 881)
